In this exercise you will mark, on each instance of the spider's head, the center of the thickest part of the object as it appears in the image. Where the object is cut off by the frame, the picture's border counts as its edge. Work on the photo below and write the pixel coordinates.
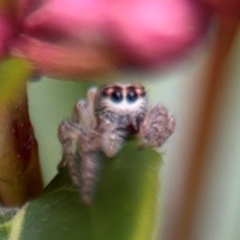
(123, 98)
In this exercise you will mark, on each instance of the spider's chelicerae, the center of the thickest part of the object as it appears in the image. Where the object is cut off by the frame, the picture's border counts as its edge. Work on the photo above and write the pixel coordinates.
(103, 122)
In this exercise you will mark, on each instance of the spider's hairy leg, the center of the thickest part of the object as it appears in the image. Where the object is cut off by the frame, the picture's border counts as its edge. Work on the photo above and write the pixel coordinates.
(157, 126)
(112, 138)
(83, 112)
(67, 133)
(84, 173)
(88, 145)
(89, 169)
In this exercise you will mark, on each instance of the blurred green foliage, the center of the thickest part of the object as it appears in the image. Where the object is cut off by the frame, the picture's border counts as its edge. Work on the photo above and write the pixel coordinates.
(14, 73)
(125, 206)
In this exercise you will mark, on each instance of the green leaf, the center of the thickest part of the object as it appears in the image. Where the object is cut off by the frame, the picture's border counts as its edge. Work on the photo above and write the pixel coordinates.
(14, 73)
(125, 206)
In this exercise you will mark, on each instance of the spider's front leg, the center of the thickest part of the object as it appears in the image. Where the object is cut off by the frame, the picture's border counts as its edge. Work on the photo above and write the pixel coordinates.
(82, 118)
(84, 170)
(88, 145)
(83, 174)
(67, 133)
(157, 126)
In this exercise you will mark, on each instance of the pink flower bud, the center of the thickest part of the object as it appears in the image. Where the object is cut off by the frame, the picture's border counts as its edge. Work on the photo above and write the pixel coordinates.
(153, 30)
(126, 32)
(141, 31)
(4, 34)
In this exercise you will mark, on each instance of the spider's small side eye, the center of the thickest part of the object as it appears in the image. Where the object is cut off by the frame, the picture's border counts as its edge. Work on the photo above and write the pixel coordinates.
(143, 94)
(104, 93)
(132, 96)
(117, 97)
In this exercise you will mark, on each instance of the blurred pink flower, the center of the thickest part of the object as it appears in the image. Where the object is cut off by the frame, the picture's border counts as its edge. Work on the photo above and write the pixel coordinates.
(4, 34)
(65, 38)
(229, 8)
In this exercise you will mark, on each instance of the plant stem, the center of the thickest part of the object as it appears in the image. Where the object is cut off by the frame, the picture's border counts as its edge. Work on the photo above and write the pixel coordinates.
(20, 174)
(226, 33)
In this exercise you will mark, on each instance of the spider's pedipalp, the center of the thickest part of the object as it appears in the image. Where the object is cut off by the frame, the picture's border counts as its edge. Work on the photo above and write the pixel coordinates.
(112, 138)
(158, 125)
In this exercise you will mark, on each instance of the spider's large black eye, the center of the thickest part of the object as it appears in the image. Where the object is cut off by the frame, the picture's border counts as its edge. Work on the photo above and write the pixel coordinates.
(132, 96)
(117, 96)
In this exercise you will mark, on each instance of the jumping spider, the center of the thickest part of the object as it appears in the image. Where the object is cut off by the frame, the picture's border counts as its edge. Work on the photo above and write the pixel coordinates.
(103, 122)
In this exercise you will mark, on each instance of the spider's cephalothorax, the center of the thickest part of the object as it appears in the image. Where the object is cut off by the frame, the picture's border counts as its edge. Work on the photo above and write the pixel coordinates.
(120, 110)
(103, 122)
(124, 105)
